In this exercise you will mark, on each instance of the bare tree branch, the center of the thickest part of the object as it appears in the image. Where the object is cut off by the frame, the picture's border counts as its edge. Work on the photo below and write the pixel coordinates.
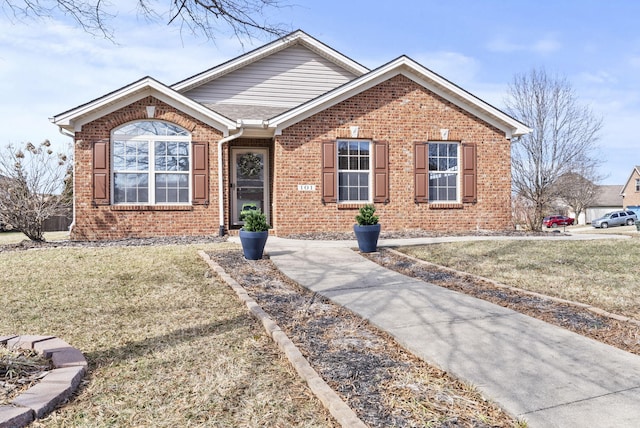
(91, 16)
(31, 178)
(563, 140)
(578, 190)
(209, 18)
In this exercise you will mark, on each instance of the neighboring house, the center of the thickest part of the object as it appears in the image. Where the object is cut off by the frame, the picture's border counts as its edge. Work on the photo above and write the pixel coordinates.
(300, 131)
(607, 199)
(631, 191)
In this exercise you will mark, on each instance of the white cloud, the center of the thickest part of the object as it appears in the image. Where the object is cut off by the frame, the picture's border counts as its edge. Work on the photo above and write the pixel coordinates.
(49, 67)
(500, 44)
(545, 45)
(492, 93)
(597, 77)
(633, 61)
(619, 109)
(454, 66)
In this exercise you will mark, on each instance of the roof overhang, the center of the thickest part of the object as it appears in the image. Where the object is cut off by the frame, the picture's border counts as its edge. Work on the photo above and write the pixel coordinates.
(419, 74)
(297, 37)
(73, 120)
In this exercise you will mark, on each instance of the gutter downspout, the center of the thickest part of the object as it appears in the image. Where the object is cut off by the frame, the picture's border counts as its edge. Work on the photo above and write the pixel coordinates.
(221, 178)
(73, 152)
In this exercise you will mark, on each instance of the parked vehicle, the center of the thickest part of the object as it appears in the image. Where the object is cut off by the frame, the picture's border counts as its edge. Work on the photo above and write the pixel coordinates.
(557, 220)
(615, 218)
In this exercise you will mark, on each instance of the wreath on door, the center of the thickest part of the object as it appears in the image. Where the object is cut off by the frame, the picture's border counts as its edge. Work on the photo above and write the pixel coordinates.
(250, 165)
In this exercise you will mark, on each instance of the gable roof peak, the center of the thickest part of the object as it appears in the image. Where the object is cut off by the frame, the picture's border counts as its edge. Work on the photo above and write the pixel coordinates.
(297, 37)
(73, 120)
(635, 170)
(413, 70)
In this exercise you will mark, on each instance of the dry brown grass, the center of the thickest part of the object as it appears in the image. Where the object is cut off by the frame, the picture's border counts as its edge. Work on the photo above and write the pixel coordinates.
(601, 273)
(167, 344)
(15, 237)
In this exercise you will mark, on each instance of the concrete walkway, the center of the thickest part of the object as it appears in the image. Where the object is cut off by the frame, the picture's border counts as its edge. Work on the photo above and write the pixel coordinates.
(543, 374)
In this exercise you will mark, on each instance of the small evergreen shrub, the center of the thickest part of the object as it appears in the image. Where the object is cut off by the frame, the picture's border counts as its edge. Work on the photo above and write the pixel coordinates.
(255, 221)
(366, 216)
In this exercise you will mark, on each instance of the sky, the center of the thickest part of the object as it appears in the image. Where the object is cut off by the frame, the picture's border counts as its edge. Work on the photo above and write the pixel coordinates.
(49, 66)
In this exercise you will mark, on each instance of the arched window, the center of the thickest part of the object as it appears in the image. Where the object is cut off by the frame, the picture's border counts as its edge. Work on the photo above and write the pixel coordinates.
(150, 161)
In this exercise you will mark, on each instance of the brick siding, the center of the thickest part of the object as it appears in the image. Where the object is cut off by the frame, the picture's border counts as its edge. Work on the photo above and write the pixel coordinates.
(116, 222)
(631, 196)
(398, 112)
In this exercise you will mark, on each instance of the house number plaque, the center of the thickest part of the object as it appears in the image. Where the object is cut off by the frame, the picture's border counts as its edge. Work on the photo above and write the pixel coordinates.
(306, 187)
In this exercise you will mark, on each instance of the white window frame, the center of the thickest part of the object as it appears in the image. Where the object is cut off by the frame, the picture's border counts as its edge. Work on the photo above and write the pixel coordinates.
(369, 171)
(433, 198)
(151, 171)
(637, 184)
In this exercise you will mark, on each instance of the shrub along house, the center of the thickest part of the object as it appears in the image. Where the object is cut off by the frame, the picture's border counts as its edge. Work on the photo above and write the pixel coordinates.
(297, 130)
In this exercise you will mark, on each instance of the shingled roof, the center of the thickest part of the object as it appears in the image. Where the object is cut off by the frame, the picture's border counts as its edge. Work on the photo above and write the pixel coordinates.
(608, 196)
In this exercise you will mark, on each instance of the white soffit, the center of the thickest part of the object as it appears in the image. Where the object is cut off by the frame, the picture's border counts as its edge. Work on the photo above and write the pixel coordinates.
(297, 37)
(74, 119)
(419, 74)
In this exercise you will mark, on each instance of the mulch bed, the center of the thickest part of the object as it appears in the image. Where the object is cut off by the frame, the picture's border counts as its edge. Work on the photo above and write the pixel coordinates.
(383, 383)
(19, 370)
(130, 242)
(621, 334)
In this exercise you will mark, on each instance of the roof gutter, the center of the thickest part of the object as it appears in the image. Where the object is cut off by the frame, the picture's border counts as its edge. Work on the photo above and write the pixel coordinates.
(221, 178)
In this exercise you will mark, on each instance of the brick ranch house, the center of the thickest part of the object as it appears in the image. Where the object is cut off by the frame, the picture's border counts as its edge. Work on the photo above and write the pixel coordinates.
(295, 129)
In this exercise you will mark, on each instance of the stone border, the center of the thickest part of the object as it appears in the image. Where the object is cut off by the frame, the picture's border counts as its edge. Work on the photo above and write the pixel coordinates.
(69, 367)
(343, 414)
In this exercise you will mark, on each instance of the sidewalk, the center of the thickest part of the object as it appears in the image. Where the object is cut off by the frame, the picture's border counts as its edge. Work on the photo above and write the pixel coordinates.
(543, 374)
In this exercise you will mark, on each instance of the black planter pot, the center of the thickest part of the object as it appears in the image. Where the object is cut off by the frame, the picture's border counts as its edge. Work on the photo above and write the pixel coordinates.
(253, 244)
(367, 237)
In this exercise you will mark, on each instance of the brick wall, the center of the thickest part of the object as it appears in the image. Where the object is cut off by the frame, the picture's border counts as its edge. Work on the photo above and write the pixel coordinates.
(111, 222)
(631, 196)
(399, 112)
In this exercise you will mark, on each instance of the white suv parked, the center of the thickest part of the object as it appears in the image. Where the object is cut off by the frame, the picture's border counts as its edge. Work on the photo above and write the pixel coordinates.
(615, 218)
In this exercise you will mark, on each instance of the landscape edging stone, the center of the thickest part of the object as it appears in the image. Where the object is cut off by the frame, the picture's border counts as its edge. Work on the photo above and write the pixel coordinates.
(330, 399)
(69, 367)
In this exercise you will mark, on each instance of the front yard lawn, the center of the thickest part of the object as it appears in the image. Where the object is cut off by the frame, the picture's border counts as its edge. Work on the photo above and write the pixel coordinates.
(16, 237)
(167, 344)
(600, 273)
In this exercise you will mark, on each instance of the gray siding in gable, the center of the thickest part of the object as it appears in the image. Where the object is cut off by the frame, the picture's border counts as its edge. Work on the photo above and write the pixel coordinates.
(287, 78)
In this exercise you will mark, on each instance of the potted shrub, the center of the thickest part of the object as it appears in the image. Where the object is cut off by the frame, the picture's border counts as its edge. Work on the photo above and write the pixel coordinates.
(254, 234)
(367, 230)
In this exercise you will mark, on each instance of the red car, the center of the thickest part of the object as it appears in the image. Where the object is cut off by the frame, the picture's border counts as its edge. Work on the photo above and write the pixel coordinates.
(557, 220)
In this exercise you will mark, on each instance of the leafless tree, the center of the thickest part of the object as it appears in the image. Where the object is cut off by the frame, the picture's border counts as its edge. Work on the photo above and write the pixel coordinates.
(205, 17)
(563, 140)
(578, 190)
(31, 181)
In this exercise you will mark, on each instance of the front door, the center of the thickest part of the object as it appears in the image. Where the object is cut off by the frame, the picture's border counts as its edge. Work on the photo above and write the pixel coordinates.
(249, 182)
